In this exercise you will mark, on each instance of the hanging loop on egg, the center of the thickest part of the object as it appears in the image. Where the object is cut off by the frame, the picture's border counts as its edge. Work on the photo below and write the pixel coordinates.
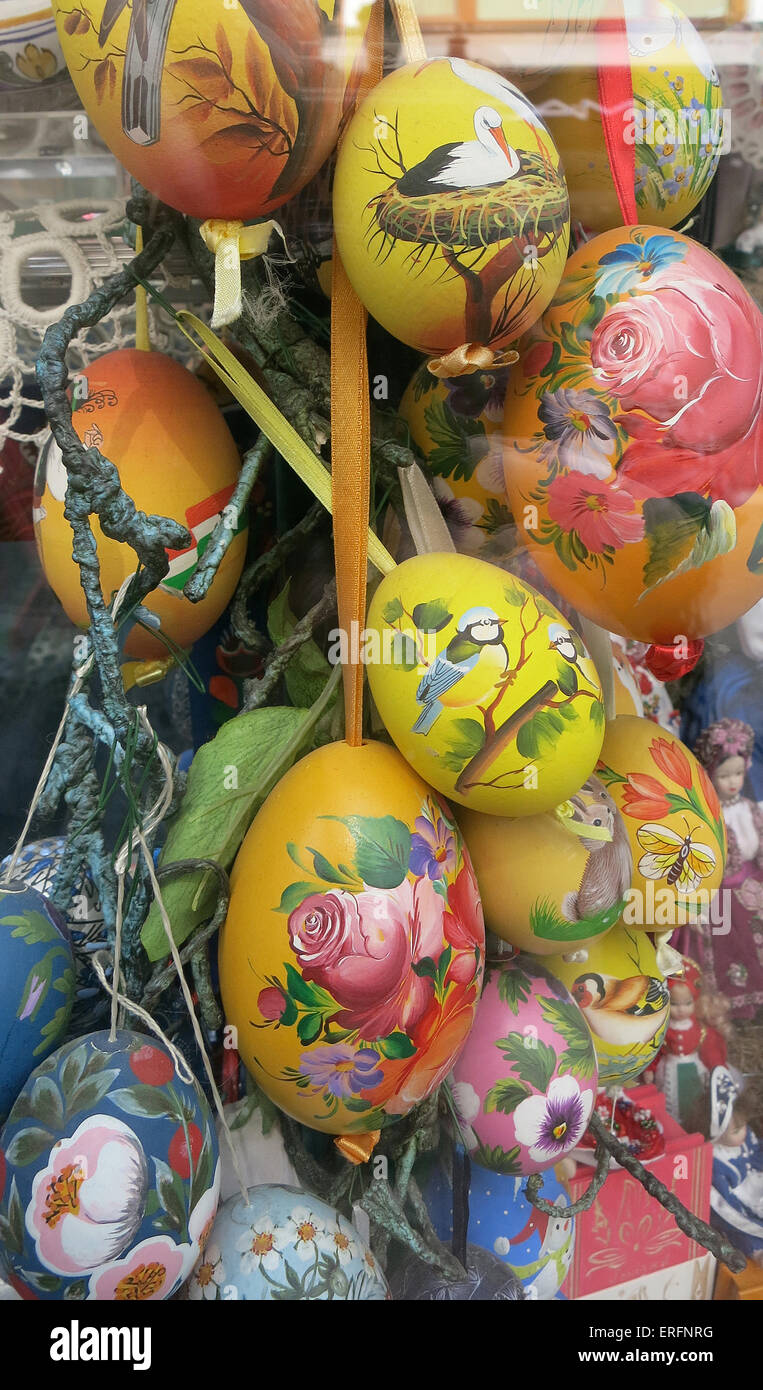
(470, 358)
(231, 242)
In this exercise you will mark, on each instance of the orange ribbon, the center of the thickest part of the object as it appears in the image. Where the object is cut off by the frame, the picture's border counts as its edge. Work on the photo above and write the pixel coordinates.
(357, 1148)
(351, 435)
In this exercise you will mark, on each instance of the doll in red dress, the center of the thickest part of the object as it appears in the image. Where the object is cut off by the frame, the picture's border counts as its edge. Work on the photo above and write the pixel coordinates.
(690, 1051)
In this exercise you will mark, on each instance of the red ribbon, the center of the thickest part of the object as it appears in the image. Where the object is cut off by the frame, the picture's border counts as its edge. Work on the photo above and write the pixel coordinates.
(615, 81)
(665, 665)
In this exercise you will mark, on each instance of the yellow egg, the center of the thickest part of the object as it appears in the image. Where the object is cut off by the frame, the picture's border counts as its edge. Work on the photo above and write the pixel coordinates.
(674, 821)
(622, 994)
(673, 131)
(176, 457)
(482, 685)
(450, 207)
(456, 425)
(351, 957)
(546, 885)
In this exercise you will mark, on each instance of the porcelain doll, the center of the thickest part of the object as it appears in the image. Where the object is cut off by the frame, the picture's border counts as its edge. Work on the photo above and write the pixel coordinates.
(734, 949)
(736, 1197)
(689, 1053)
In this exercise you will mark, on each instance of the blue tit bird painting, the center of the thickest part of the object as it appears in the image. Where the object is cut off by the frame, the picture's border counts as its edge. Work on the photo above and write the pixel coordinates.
(568, 645)
(467, 671)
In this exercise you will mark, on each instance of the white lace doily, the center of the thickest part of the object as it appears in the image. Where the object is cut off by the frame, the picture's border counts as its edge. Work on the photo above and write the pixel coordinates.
(87, 236)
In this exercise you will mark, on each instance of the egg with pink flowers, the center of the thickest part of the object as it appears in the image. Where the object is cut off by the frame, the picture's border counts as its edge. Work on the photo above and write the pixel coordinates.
(525, 1084)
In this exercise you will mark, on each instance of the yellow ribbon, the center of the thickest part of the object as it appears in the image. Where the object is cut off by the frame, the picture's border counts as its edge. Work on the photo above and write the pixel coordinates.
(290, 445)
(231, 242)
(566, 813)
(409, 31)
(141, 673)
(470, 358)
(357, 1148)
(142, 338)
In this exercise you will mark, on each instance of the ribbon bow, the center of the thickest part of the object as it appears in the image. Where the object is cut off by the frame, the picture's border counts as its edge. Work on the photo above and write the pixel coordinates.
(231, 242)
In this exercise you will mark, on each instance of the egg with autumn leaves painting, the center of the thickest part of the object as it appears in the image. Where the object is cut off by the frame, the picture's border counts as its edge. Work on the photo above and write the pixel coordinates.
(525, 1084)
(351, 957)
(672, 815)
(111, 1176)
(634, 438)
(222, 110)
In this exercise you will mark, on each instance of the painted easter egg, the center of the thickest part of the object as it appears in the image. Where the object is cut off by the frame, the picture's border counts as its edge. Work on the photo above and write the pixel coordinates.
(674, 822)
(634, 438)
(456, 425)
(30, 53)
(669, 136)
(222, 110)
(450, 207)
(285, 1244)
(553, 881)
(539, 1248)
(483, 686)
(36, 984)
(37, 866)
(351, 956)
(624, 999)
(137, 407)
(111, 1174)
(525, 1084)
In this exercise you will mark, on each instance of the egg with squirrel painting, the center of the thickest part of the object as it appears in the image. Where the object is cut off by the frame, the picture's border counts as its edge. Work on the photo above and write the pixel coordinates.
(351, 957)
(551, 882)
(525, 1084)
(136, 408)
(624, 998)
(450, 208)
(633, 438)
(673, 820)
(111, 1173)
(456, 426)
(37, 984)
(486, 690)
(283, 1243)
(538, 1247)
(222, 110)
(666, 140)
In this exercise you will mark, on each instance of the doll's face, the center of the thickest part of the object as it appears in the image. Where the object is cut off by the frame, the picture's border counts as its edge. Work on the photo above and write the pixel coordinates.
(728, 778)
(734, 1135)
(681, 1002)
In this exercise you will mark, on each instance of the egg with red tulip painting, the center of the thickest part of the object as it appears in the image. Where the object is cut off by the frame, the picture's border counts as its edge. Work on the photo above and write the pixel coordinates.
(111, 1174)
(633, 438)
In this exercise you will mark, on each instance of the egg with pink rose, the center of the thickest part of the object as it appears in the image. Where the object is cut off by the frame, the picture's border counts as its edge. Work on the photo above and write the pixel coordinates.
(109, 1173)
(351, 957)
(633, 438)
(525, 1084)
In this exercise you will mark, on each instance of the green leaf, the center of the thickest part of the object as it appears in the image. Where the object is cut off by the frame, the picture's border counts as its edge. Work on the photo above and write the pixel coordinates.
(497, 1159)
(514, 988)
(326, 870)
(45, 1283)
(442, 967)
(597, 714)
(432, 616)
(312, 996)
(382, 848)
(212, 821)
(539, 736)
(27, 1145)
(514, 596)
(425, 969)
(72, 1069)
(172, 1199)
(565, 1018)
(148, 1101)
(567, 679)
(466, 737)
(308, 670)
(533, 1060)
(91, 1090)
(393, 610)
(395, 1045)
(357, 1104)
(672, 527)
(76, 1290)
(505, 1095)
(15, 1216)
(55, 1027)
(47, 1105)
(201, 1178)
(755, 557)
(294, 894)
(34, 928)
(309, 1028)
(459, 442)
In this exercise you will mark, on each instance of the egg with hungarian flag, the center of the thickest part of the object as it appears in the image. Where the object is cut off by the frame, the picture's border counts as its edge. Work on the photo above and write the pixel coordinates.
(351, 956)
(176, 457)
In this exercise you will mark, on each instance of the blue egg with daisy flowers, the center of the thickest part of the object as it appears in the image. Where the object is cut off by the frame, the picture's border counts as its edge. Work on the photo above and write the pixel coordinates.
(282, 1244)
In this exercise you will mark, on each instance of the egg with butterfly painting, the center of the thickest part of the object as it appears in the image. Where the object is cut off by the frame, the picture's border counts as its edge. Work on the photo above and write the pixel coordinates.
(111, 1173)
(450, 207)
(222, 111)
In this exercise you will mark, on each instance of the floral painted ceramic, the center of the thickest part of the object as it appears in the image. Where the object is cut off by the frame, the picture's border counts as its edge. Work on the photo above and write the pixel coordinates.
(109, 1174)
(539, 1248)
(30, 53)
(674, 129)
(285, 1245)
(525, 1084)
(634, 438)
(456, 424)
(450, 207)
(484, 687)
(673, 819)
(221, 110)
(351, 957)
(622, 994)
(37, 984)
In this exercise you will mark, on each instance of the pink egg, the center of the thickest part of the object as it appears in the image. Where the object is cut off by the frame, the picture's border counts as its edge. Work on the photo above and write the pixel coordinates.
(525, 1084)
